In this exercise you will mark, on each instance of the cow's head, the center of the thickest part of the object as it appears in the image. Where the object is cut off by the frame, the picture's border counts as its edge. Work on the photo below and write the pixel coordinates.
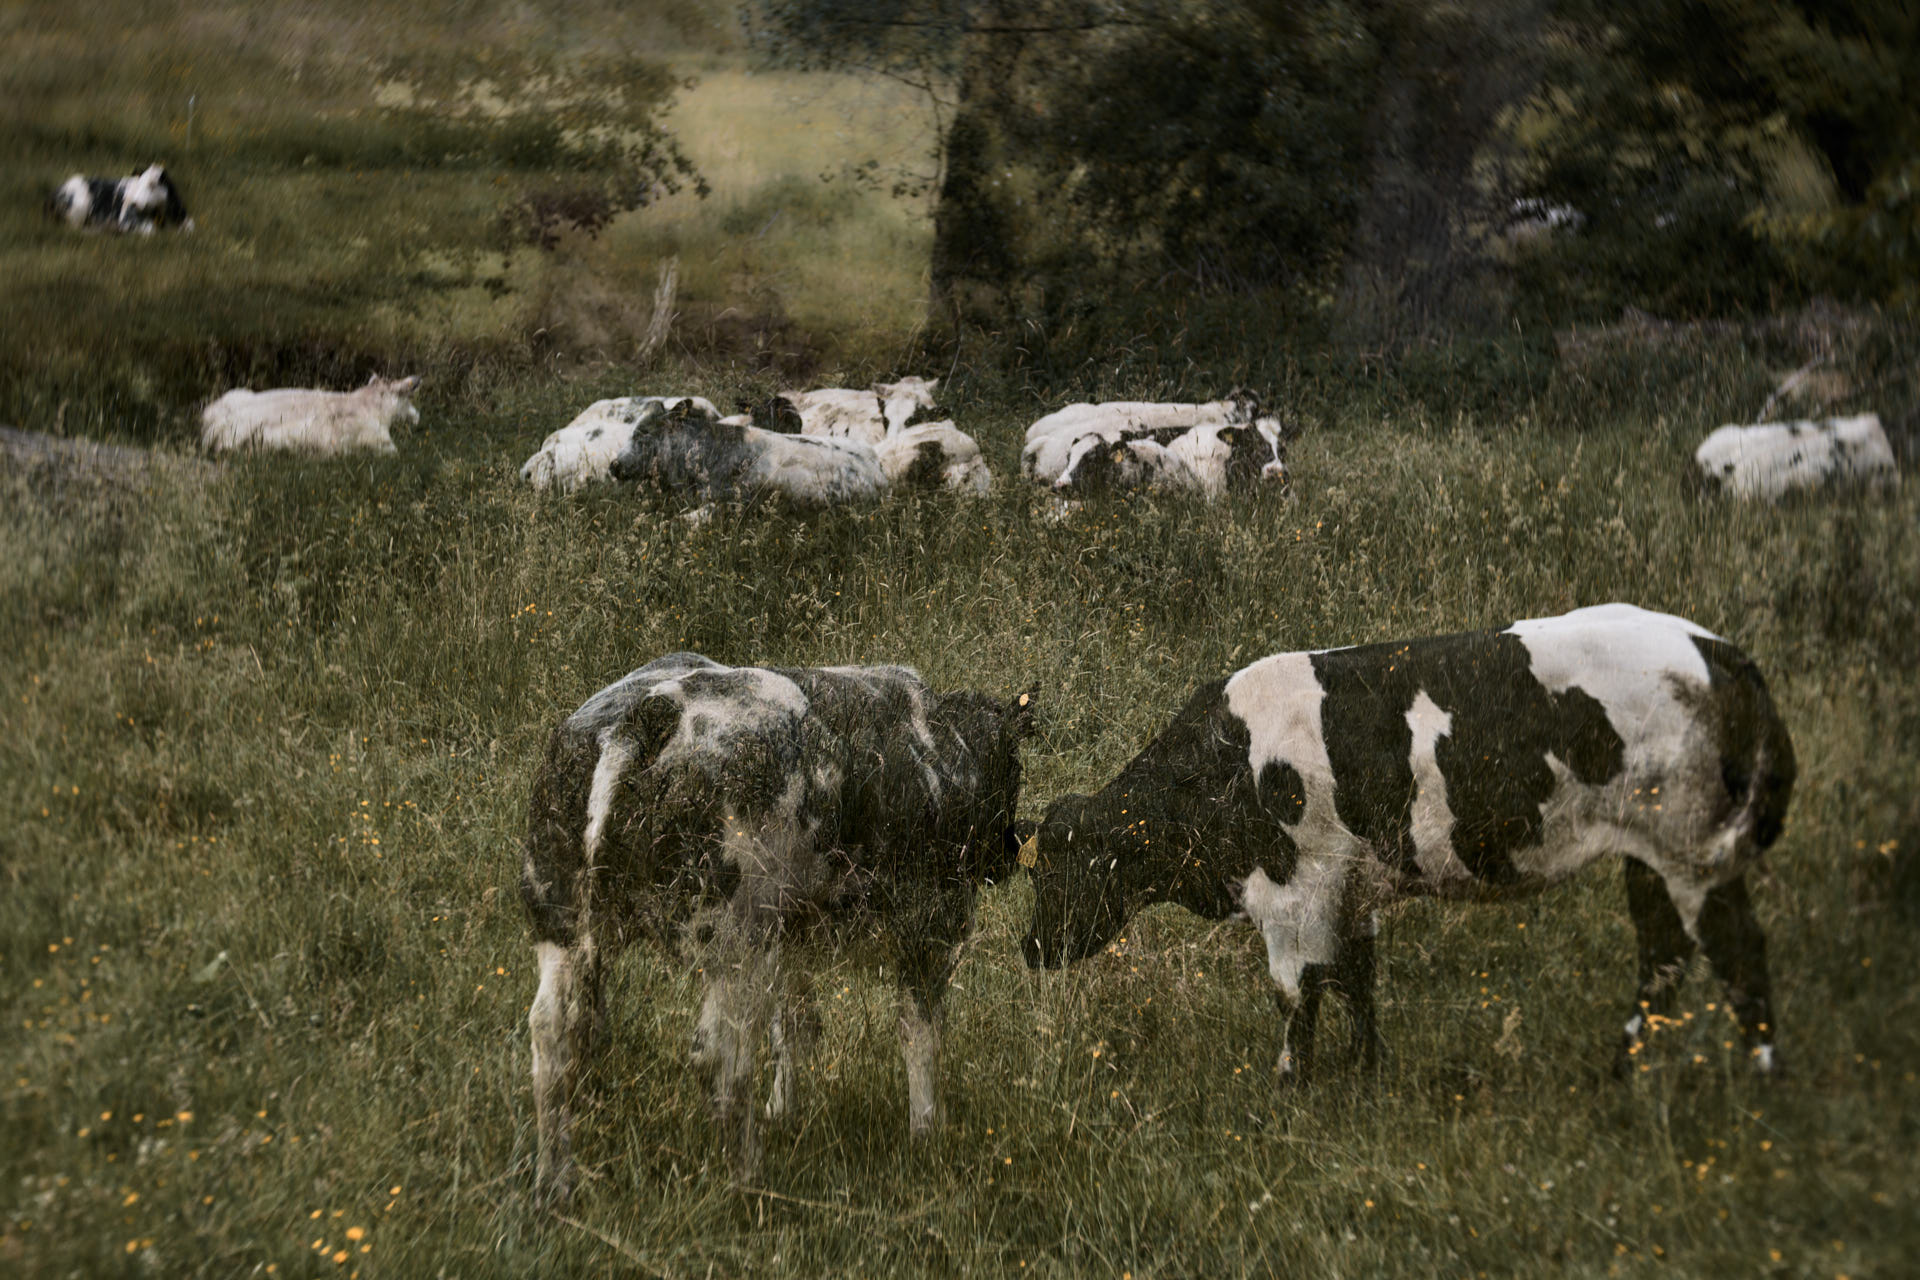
(1079, 902)
(396, 395)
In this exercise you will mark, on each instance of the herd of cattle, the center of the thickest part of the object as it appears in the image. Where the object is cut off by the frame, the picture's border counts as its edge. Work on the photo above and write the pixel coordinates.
(732, 814)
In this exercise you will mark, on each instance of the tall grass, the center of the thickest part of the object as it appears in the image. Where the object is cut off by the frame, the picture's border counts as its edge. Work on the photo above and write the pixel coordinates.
(270, 731)
(271, 745)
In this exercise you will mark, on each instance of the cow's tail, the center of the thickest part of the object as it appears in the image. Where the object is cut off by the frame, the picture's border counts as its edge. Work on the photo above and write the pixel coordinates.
(1757, 763)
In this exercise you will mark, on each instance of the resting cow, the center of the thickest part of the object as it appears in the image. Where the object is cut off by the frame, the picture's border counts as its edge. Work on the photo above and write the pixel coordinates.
(1050, 440)
(1306, 791)
(138, 203)
(325, 422)
(727, 813)
(934, 455)
(1211, 460)
(866, 416)
(582, 452)
(1772, 459)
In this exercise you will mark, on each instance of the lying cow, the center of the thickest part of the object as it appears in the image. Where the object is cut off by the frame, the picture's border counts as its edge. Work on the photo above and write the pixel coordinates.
(1308, 790)
(728, 813)
(866, 416)
(138, 203)
(582, 452)
(1211, 460)
(934, 455)
(326, 422)
(1051, 440)
(686, 451)
(1772, 459)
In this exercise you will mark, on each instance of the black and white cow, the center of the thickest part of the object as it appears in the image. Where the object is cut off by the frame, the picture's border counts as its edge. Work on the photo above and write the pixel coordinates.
(731, 812)
(1769, 460)
(140, 202)
(1308, 790)
(841, 413)
(683, 448)
(1212, 460)
(934, 455)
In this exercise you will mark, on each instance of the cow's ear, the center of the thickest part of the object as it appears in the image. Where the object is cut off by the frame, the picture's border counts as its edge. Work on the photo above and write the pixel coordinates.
(1022, 709)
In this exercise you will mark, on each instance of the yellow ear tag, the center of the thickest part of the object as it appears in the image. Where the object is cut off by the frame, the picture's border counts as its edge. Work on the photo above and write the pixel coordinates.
(1030, 851)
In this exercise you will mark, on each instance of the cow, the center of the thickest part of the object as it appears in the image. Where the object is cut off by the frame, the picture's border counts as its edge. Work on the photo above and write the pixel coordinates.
(866, 416)
(1307, 791)
(139, 203)
(738, 816)
(1210, 459)
(934, 455)
(325, 422)
(582, 452)
(687, 452)
(1050, 440)
(1772, 459)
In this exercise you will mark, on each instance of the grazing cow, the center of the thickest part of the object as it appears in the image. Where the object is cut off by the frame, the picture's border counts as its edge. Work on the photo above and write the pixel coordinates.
(139, 203)
(728, 813)
(934, 455)
(324, 422)
(583, 451)
(1772, 459)
(1306, 791)
(686, 450)
(1209, 459)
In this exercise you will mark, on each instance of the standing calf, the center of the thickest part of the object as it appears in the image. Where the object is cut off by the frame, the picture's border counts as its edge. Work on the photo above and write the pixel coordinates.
(728, 813)
(1306, 791)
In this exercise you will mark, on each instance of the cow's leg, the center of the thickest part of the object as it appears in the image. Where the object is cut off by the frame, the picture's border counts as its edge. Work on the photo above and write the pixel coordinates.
(734, 1017)
(561, 1026)
(1664, 947)
(795, 1027)
(926, 967)
(1731, 937)
(1353, 978)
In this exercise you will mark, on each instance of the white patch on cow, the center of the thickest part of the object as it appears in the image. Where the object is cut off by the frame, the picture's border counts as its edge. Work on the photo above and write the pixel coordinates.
(74, 200)
(1297, 921)
(325, 422)
(813, 471)
(607, 771)
(1768, 460)
(1432, 819)
(838, 413)
(547, 1021)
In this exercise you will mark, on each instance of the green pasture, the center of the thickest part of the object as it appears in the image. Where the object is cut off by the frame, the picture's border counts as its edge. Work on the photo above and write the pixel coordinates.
(270, 730)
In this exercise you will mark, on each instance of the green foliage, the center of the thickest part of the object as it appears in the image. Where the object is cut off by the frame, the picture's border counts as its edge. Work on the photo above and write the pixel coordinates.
(1672, 128)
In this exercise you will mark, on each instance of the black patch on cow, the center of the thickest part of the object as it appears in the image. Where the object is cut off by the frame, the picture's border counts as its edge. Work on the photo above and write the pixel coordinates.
(928, 468)
(596, 433)
(1282, 791)
(775, 413)
(1757, 763)
(1186, 819)
(1248, 453)
(1493, 757)
(924, 413)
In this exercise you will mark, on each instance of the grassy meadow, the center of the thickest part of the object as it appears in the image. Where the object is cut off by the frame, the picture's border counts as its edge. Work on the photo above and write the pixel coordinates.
(271, 730)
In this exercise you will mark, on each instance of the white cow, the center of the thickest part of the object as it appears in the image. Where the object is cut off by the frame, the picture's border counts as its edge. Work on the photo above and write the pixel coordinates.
(324, 422)
(1050, 440)
(934, 455)
(1771, 459)
(582, 452)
